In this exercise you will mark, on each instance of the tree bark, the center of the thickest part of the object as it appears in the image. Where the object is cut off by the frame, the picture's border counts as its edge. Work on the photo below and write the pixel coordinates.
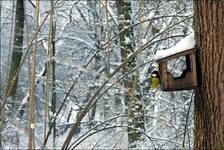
(133, 102)
(209, 102)
(0, 47)
(1, 146)
(54, 90)
(17, 49)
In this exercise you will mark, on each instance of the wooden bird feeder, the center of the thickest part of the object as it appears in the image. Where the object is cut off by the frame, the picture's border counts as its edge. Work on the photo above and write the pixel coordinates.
(187, 80)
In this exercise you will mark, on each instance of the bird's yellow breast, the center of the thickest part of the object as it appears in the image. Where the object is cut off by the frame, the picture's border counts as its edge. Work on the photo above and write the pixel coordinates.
(154, 83)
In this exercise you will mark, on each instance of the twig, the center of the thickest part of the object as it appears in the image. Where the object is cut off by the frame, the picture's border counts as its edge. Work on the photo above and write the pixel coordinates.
(111, 127)
(187, 118)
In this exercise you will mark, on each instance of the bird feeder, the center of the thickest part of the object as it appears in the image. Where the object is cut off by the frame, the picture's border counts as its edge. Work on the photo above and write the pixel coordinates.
(188, 79)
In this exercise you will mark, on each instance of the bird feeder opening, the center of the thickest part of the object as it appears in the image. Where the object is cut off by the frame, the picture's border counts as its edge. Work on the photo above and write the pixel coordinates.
(177, 66)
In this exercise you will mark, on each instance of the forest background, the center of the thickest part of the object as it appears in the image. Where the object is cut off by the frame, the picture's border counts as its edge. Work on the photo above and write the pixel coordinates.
(75, 74)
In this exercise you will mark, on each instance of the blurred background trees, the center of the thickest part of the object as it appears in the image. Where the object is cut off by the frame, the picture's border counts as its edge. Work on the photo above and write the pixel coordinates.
(93, 60)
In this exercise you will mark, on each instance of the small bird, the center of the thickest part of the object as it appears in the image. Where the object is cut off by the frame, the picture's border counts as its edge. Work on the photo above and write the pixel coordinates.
(154, 80)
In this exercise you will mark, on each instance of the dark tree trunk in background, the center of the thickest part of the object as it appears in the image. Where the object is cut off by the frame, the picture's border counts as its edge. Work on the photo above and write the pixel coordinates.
(133, 102)
(209, 103)
(53, 71)
(17, 48)
(15, 59)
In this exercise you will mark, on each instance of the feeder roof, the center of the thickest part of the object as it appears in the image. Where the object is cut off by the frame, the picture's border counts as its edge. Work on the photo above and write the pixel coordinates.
(183, 45)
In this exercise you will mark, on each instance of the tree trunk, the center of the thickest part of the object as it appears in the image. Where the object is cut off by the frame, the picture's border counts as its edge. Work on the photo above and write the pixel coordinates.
(17, 49)
(0, 50)
(53, 71)
(96, 37)
(209, 103)
(32, 87)
(1, 146)
(54, 90)
(133, 102)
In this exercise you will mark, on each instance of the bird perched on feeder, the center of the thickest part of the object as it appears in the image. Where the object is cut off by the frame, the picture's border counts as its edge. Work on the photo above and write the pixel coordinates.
(154, 80)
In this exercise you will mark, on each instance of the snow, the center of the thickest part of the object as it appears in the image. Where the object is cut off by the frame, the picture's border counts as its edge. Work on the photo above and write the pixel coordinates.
(111, 12)
(143, 41)
(142, 78)
(186, 43)
(127, 40)
(87, 43)
(151, 15)
(32, 125)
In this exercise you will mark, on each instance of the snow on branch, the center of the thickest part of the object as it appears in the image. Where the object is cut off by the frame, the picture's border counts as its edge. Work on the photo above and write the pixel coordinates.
(26, 98)
(184, 44)
(111, 12)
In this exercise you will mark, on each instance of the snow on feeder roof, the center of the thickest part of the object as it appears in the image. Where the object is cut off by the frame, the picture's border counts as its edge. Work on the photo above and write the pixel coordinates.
(183, 45)
(188, 78)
